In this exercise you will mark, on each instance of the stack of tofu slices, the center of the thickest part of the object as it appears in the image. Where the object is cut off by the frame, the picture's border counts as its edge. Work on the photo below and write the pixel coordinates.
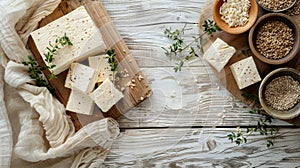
(81, 79)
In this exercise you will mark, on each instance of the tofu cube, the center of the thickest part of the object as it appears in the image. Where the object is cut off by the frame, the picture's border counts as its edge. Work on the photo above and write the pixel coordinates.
(106, 95)
(100, 63)
(80, 103)
(80, 28)
(81, 77)
(245, 72)
(218, 54)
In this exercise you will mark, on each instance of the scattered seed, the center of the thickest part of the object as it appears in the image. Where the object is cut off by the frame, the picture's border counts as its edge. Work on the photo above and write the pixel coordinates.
(131, 85)
(140, 77)
(122, 89)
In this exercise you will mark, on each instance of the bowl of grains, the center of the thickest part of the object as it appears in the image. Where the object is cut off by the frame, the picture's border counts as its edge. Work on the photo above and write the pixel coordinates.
(276, 5)
(279, 93)
(274, 39)
(235, 16)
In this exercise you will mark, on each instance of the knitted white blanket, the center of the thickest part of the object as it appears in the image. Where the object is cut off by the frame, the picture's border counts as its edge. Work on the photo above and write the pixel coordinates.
(34, 128)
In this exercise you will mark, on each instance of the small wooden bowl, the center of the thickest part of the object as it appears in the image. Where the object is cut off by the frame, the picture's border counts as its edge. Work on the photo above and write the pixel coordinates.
(289, 114)
(253, 14)
(276, 11)
(275, 17)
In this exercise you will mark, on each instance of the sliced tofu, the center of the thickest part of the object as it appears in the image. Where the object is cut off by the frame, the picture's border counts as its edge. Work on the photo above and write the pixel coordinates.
(218, 54)
(94, 61)
(80, 103)
(106, 95)
(100, 63)
(79, 27)
(81, 77)
(245, 72)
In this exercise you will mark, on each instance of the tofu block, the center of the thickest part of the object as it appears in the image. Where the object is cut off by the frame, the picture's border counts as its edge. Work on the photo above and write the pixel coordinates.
(81, 77)
(106, 95)
(218, 54)
(80, 103)
(80, 28)
(245, 72)
(100, 63)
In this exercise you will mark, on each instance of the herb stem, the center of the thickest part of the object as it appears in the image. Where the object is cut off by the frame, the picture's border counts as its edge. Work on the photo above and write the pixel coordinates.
(195, 40)
(185, 51)
(111, 56)
(36, 71)
(241, 137)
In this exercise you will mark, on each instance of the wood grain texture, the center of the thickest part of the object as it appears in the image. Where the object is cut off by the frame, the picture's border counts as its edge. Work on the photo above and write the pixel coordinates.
(197, 89)
(142, 27)
(159, 132)
(181, 148)
(193, 97)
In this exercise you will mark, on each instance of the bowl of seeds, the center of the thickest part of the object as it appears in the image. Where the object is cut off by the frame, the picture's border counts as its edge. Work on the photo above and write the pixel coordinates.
(276, 5)
(279, 93)
(274, 39)
(235, 16)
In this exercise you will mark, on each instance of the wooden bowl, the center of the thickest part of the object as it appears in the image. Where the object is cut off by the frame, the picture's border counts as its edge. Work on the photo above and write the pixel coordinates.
(275, 17)
(276, 11)
(253, 14)
(288, 114)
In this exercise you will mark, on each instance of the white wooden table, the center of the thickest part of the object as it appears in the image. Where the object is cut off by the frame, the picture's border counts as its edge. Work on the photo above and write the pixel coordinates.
(186, 121)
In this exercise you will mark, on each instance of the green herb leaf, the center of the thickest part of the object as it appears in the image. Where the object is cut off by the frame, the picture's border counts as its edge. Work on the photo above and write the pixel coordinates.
(184, 51)
(270, 143)
(261, 127)
(210, 27)
(111, 59)
(245, 52)
(36, 71)
(250, 96)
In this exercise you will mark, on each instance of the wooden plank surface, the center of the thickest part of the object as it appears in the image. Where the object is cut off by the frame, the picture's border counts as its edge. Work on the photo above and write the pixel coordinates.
(193, 97)
(144, 141)
(113, 40)
(240, 42)
(181, 148)
(146, 134)
(143, 33)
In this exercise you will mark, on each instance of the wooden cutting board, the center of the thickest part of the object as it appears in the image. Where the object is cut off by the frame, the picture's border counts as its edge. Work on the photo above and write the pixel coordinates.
(112, 39)
(240, 42)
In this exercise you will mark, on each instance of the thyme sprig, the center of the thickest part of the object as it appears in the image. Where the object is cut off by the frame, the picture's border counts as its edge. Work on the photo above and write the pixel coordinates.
(111, 59)
(262, 127)
(182, 51)
(36, 71)
(251, 97)
(210, 27)
(52, 50)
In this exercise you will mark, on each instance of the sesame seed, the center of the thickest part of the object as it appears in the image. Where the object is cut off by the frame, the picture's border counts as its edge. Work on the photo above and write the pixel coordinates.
(282, 93)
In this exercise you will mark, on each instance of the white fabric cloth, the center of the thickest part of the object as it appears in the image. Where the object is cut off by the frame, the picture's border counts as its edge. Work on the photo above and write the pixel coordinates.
(34, 128)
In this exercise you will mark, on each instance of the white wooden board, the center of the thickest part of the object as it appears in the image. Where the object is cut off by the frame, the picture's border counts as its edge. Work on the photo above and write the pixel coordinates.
(166, 130)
